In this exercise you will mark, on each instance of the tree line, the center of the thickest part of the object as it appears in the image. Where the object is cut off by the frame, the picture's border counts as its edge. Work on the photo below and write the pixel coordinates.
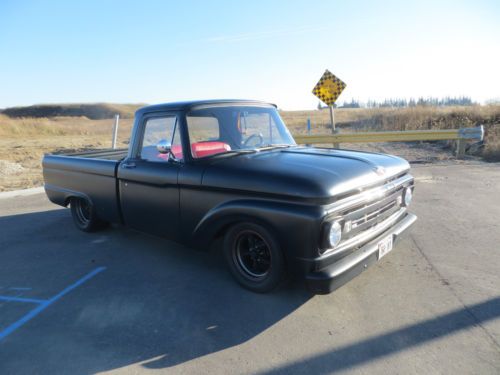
(403, 103)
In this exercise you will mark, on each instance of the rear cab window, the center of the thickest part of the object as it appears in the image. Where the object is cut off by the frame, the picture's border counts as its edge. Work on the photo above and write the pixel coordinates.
(204, 136)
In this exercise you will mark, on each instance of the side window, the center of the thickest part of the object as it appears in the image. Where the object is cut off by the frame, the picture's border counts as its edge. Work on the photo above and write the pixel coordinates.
(156, 130)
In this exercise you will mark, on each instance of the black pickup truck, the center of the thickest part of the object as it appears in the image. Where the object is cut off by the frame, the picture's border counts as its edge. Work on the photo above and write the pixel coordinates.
(198, 171)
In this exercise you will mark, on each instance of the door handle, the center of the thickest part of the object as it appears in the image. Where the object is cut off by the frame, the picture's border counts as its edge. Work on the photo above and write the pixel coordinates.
(128, 165)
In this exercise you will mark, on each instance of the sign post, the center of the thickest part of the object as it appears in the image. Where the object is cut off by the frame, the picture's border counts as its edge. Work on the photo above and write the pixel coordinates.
(115, 131)
(332, 119)
(328, 89)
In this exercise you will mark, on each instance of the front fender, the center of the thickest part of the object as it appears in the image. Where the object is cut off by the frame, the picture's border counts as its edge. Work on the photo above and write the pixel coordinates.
(296, 226)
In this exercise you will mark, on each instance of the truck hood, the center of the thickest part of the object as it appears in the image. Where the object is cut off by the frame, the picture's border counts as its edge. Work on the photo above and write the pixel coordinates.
(302, 172)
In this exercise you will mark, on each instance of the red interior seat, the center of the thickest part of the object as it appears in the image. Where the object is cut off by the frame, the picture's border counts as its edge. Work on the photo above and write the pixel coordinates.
(202, 149)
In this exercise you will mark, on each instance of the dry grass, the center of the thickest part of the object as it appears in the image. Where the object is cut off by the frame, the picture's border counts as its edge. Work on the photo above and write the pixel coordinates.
(58, 126)
(492, 143)
(94, 111)
(395, 118)
(320, 120)
(380, 119)
(23, 141)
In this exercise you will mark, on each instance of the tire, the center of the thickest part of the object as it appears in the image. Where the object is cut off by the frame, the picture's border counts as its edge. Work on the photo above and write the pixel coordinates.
(254, 257)
(84, 216)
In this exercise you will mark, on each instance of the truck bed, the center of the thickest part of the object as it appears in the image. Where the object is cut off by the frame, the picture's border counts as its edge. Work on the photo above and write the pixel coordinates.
(108, 154)
(90, 175)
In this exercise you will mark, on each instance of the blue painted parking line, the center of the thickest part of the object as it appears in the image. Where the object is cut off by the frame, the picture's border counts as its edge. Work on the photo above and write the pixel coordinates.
(43, 304)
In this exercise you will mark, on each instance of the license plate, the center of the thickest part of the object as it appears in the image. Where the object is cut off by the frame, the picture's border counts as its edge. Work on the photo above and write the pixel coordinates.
(384, 246)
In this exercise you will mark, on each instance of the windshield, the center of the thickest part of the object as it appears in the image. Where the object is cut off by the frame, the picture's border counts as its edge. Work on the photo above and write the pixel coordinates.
(222, 129)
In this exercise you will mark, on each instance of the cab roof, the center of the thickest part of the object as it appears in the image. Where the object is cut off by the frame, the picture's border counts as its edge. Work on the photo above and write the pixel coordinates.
(186, 105)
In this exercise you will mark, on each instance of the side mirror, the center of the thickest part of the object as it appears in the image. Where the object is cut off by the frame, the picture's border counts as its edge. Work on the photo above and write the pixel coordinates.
(164, 146)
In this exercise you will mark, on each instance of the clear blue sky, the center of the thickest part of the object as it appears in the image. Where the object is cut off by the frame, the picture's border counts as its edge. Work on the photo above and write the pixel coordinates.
(159, 51)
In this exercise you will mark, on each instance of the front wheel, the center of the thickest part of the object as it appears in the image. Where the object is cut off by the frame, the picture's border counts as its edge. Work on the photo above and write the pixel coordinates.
(254, 257)
(84, 215)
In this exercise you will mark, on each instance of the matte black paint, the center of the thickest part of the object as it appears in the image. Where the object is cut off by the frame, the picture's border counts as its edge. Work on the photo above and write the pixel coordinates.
(286, 190)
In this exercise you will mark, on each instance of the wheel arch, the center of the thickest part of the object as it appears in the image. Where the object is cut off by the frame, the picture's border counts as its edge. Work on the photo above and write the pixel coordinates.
(72, 195)
(291, 224)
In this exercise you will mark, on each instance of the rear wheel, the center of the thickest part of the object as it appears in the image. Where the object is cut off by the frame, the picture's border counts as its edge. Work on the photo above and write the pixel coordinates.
(84, 215)
(254, 257)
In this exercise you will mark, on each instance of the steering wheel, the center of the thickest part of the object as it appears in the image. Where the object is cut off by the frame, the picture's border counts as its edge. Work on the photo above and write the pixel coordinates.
(259, 136)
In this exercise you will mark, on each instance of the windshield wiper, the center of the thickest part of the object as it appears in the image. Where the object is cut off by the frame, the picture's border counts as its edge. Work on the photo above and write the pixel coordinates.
(236, 152)
(275, 145)
(242, 151)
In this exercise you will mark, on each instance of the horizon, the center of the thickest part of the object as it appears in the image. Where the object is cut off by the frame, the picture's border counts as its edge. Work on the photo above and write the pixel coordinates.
(92, 52)
(338, 105)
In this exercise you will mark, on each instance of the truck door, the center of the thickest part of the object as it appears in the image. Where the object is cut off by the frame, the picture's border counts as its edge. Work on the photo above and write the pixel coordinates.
(148, 179)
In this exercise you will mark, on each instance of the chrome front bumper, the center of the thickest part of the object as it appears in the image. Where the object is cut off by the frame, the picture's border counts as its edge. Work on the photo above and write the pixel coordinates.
(337, 274)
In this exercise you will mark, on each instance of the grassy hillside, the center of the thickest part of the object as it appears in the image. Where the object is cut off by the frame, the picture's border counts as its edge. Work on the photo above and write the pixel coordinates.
(411, 118)
(95, 111)
(96, 120)
(24, 140)
(414, 118)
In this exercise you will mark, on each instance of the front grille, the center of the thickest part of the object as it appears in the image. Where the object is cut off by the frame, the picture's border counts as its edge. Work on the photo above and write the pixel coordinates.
(370, 214)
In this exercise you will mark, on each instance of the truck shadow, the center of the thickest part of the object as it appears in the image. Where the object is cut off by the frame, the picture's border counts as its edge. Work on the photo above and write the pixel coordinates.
(157, 303)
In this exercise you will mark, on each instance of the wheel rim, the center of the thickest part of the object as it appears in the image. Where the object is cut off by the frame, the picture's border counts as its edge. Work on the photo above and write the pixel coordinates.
(252, 255)
(83, 211)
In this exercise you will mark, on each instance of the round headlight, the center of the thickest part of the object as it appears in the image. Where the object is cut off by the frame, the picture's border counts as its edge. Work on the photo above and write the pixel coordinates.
(335, 234)
(408, 195)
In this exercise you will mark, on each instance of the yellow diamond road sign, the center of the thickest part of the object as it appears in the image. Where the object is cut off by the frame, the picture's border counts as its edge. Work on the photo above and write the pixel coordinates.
(329, 88)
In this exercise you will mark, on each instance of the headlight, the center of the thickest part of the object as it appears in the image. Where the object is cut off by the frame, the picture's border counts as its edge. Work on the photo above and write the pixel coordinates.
(335, 234)
(407, 196)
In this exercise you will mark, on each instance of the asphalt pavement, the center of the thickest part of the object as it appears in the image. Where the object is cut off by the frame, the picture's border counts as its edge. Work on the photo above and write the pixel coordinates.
(124, 302)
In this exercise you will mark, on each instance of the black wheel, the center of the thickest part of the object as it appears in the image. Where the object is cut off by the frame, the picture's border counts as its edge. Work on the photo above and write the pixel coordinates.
(84, 216)
(254, 257)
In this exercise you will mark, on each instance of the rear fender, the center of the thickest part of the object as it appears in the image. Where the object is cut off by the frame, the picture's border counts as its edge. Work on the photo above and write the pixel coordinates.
(63, 196)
